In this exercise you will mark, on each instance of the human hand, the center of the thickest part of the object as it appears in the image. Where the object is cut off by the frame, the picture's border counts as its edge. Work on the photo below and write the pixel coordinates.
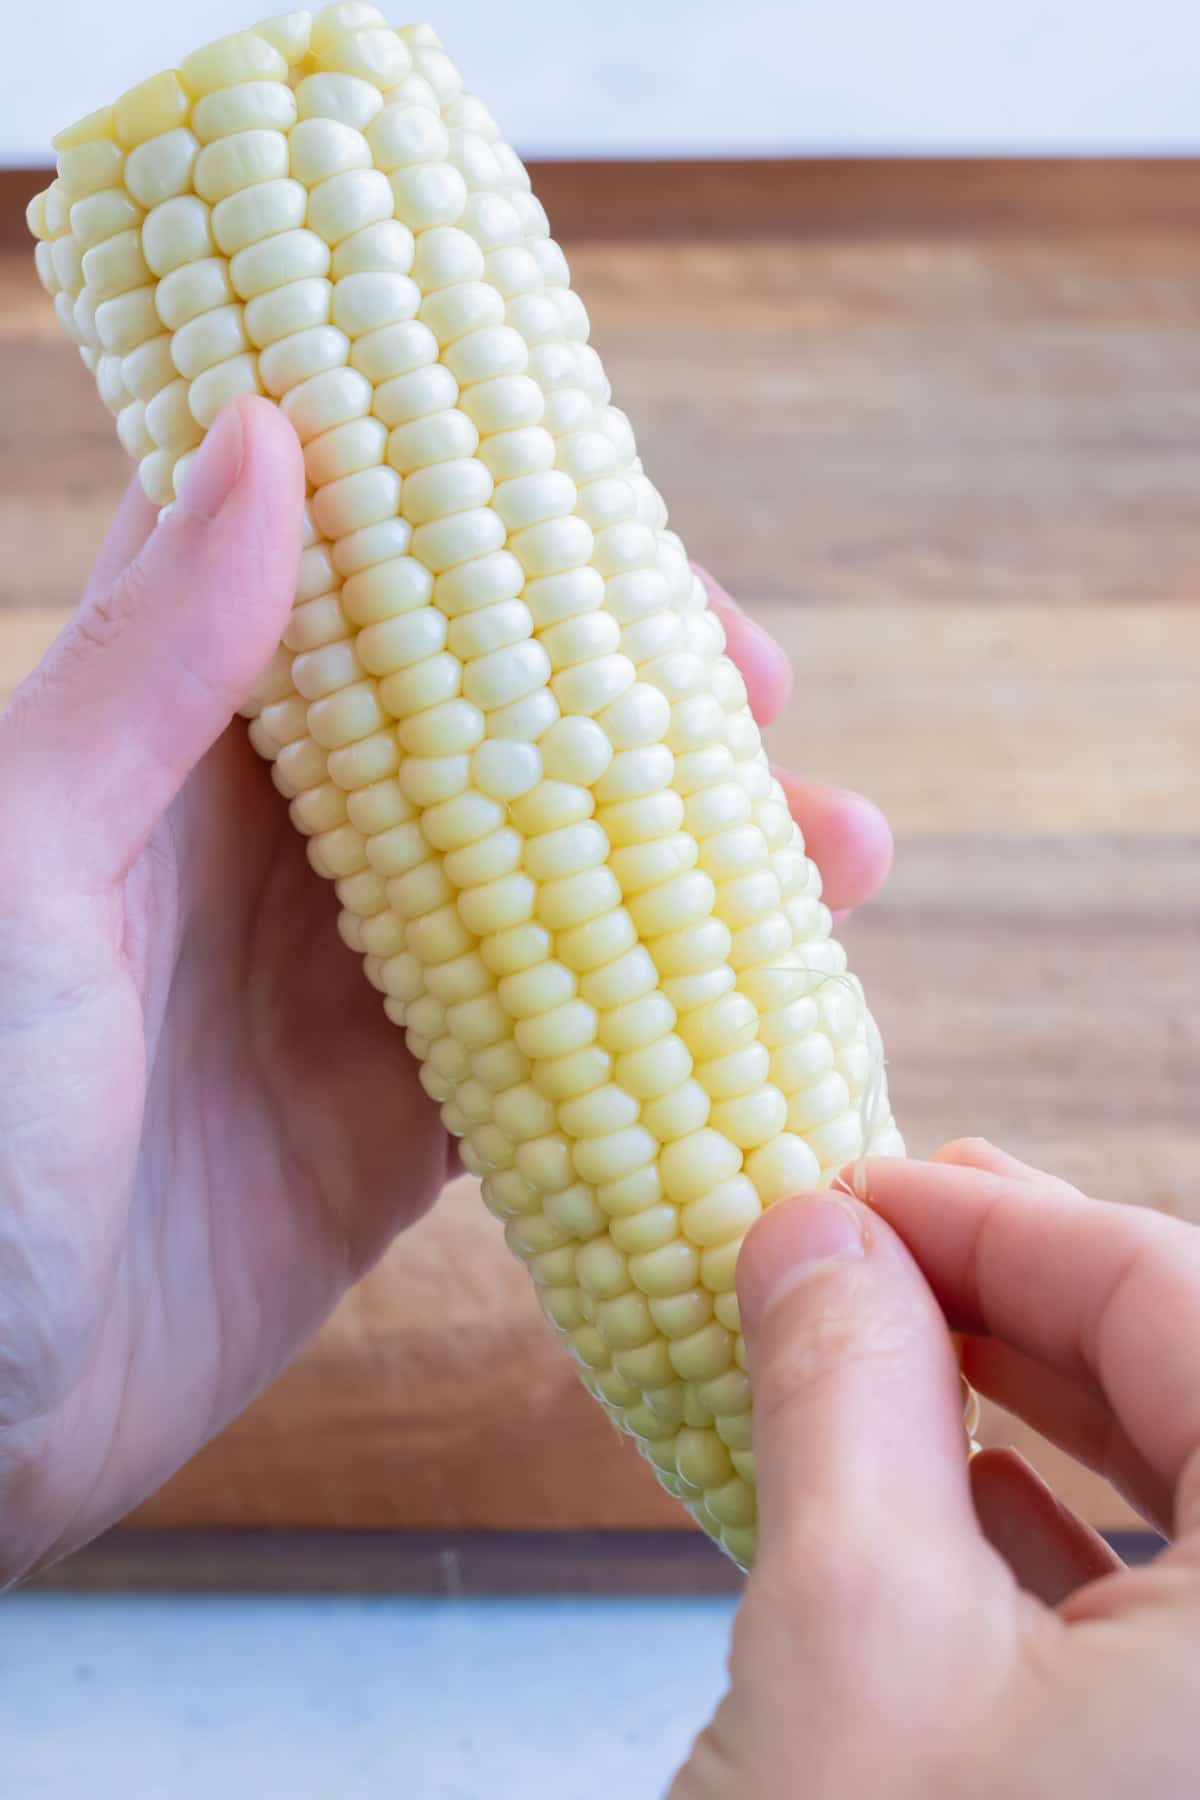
(885, 1647)
(208, 1128)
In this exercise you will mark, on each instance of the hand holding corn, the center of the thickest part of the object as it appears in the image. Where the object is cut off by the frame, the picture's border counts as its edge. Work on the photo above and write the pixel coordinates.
(188, 1180)
(496, 699)
(919, 1629)
(499, 706)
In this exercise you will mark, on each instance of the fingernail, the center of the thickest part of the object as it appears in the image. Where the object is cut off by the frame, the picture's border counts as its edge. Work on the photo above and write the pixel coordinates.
(803, 1235)
(213, 475)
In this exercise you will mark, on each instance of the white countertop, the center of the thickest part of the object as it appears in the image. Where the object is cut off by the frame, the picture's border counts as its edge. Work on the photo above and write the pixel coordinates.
(296, 1698)
(678, 77)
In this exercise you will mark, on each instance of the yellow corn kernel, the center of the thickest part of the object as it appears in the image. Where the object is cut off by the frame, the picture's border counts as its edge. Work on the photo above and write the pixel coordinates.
(289, 33)
(152, 107)
(96, 125)
(500, 712)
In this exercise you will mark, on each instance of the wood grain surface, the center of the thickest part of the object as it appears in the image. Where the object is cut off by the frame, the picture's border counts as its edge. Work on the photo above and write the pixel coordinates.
(674, 200)
(950, 453)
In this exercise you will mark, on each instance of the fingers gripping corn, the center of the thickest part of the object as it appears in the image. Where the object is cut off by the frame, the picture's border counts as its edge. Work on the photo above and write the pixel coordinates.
(500, 710)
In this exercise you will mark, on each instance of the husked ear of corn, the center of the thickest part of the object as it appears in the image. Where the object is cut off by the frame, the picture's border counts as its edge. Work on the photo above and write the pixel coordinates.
(501, 710)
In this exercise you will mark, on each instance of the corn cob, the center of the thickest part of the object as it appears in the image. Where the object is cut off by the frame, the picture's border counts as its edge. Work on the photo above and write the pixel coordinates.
(501, 710)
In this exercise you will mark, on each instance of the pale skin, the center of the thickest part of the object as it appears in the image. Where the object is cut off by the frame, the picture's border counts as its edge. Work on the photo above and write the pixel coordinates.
(189, 1181)
(915, 1630)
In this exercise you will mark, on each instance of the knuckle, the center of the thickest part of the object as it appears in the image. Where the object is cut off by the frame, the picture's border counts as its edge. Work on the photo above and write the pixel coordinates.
(98, 625)
(825, 1330)
(817, 1557)
(836, 1605)
(94, 628)
(837, 1570)
(101, 622)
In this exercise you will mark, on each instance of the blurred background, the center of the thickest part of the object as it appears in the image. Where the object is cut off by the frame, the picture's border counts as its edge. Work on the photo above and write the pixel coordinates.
(691, 77)
(904, 304)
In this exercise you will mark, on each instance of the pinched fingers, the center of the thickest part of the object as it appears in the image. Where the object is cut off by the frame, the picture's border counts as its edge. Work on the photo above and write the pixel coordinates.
(1096, 1292)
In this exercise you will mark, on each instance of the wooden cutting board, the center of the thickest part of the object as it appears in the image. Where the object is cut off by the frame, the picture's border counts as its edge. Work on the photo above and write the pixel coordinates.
(942, 436)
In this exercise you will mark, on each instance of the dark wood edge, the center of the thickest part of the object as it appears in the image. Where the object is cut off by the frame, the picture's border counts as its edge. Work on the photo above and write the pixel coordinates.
(402, 1562)
(856, 196)
(755, 198)
(422, 1563)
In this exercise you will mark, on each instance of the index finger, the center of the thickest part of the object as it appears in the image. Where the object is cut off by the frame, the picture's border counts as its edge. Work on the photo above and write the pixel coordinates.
(762, 663)
(1085, 1285)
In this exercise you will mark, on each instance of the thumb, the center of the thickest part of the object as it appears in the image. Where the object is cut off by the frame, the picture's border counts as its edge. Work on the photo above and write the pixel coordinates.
(151, 669)
(859, 1443)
